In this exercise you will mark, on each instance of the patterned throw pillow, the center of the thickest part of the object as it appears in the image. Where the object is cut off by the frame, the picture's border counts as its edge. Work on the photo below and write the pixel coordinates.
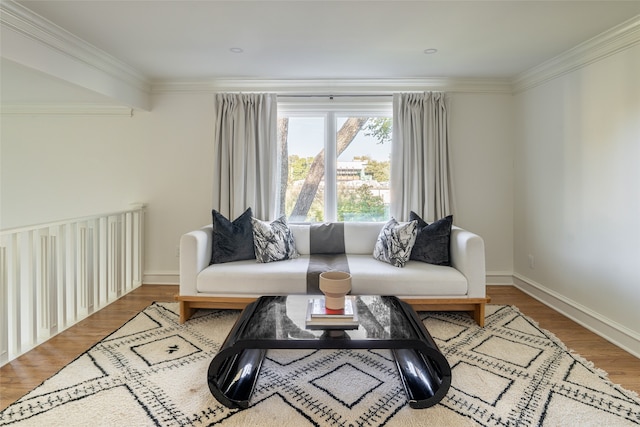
(273, 242)
(395, 242)
(232, 241)
(432, 241)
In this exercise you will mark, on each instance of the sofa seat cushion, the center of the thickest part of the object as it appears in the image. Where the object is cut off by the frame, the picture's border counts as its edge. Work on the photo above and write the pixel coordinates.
(250, 278)
(369, 276)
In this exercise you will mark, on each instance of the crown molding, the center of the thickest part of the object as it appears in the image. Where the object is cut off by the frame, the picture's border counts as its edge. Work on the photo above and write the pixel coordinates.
(28, 27)
(614, 40)
(24, 21)
(65, 110)
(337, 86)
(134, 87)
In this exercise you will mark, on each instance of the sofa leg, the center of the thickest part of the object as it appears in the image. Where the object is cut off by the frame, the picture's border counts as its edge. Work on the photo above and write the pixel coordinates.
(186, 311)
(478, 314)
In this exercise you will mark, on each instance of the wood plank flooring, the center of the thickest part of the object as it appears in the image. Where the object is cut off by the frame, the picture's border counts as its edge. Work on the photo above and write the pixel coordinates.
(28, 371)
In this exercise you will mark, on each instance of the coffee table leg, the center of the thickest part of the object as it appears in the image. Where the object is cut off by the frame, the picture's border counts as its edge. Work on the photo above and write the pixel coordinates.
(233, 374)
(426, 377)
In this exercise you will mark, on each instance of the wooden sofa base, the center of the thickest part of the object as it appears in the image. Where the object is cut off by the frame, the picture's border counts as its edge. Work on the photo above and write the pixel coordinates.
(474, 306)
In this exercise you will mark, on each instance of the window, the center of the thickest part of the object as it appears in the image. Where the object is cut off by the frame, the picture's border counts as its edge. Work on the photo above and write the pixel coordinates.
(335, 164)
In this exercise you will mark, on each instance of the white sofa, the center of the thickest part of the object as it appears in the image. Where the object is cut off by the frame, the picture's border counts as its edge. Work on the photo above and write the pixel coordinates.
(460, 287)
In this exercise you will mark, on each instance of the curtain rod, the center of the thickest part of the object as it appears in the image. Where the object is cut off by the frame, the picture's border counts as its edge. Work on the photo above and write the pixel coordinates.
(335, 96)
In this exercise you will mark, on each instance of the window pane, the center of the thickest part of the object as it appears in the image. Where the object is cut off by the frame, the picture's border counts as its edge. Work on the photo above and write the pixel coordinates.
(359, 150)
(304, 152)
(363, 168)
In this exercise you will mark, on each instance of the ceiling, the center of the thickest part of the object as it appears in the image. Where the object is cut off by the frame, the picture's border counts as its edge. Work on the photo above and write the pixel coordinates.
(178, 41)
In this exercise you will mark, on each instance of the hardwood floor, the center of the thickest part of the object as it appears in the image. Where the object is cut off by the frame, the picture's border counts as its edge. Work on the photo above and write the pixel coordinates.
(31, 369)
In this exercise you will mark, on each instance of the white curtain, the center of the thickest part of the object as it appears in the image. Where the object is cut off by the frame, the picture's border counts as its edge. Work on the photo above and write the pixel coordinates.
(245, 155)
(420, 172)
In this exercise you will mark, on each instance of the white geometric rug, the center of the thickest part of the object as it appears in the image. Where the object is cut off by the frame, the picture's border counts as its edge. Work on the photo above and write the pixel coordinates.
(152, 372)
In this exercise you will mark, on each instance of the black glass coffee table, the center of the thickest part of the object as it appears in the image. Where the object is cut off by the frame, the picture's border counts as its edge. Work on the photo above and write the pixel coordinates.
(278, 322)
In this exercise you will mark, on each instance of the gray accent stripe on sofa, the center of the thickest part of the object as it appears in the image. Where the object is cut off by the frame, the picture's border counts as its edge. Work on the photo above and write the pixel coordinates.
(319, 263)
(327, 238)
(327, 253)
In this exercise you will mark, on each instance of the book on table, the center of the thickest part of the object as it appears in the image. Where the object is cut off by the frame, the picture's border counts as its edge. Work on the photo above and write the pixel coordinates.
(320, 317)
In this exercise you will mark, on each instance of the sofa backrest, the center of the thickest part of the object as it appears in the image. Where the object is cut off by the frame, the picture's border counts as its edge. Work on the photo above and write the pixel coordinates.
(301, 237)
(359, 237)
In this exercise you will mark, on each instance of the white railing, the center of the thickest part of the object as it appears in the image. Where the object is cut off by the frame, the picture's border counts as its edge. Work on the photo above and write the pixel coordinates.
(54, 275)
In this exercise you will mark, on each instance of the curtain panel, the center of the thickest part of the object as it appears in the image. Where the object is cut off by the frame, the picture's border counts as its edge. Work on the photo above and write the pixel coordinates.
(420, 170)
(245, 155)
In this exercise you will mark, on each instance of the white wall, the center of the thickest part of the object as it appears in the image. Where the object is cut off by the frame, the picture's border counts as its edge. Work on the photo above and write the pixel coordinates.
(177, 174)
(577, 193)
(481, 127)
(56, 167)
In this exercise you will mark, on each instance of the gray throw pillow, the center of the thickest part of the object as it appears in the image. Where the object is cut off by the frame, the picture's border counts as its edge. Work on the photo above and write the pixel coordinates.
(395, 242)
(273, 241)
(432, 241)
(232, 241)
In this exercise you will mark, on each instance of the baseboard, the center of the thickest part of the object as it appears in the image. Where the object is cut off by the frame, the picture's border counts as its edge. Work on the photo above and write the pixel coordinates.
(499, 278)
(161, 278)
(608, 329)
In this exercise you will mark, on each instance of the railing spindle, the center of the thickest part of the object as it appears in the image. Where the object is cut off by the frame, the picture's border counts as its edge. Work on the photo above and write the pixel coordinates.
(4, 308)
(54, 275)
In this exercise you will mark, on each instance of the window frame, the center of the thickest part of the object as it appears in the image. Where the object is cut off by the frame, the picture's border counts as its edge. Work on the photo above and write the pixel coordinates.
(330, 107)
